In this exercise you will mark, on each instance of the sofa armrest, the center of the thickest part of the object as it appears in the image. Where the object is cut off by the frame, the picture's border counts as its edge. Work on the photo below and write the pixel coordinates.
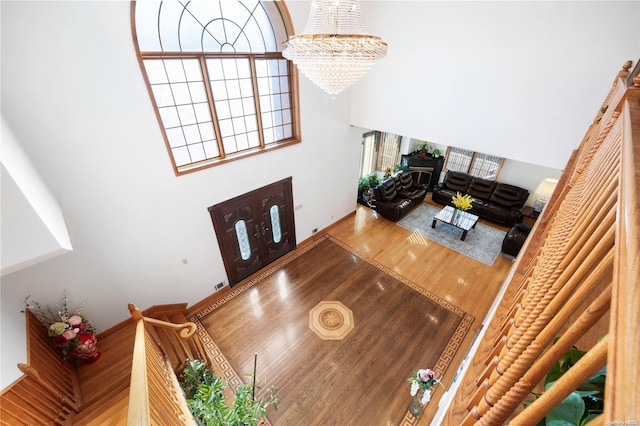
(522, 227)
(438, 187)
(512, 217)
(394, 210)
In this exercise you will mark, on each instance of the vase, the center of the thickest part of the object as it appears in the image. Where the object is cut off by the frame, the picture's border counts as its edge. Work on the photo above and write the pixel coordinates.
(87, 349)
(419, 401)
(454, 215)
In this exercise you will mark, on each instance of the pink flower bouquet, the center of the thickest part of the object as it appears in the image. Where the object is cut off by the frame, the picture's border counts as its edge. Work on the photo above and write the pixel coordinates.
(67, 328)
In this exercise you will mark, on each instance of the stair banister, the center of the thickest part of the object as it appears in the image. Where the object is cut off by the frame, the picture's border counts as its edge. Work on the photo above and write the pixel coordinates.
(155, 396)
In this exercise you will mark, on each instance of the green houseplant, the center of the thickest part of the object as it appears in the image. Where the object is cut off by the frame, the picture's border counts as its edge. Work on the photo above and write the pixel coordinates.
(374, 180)
(203, 391)
(365, 184)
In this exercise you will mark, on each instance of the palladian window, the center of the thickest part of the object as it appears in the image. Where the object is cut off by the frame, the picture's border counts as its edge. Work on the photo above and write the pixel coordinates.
(217, 79)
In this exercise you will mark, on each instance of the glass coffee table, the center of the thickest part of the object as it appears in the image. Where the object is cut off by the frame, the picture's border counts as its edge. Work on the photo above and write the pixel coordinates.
(458, 218)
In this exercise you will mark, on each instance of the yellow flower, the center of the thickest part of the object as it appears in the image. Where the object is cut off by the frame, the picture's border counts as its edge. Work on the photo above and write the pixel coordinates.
(462, 202)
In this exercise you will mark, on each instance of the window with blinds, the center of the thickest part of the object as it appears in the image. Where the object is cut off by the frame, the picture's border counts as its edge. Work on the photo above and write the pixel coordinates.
(380, 151)
(388, 151)
(475, 163)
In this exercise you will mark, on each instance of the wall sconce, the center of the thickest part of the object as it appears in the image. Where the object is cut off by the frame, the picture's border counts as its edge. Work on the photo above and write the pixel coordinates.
(543, 193)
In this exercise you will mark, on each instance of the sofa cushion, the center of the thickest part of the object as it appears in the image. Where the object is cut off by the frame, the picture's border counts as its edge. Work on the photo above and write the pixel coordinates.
(386, 191)
(509, 196)
(406, 180)
(481, 188)
(457, 181)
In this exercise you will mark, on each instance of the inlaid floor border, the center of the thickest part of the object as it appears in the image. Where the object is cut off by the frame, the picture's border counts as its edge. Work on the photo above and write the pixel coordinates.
(222, 366)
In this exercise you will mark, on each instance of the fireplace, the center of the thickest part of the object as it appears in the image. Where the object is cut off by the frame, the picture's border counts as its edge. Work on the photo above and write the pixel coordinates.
(422, 175)
(425, 170)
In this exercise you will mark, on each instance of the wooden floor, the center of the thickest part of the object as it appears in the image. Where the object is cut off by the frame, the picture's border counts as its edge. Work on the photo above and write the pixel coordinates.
(453, 277)
(466, 283)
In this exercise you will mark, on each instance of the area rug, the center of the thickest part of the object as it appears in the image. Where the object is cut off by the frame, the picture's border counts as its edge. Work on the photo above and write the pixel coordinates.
(361, 378)
(482, 243)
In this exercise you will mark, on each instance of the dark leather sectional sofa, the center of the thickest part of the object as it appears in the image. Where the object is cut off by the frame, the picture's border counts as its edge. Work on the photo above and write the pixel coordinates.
(494, 201)
(397, 195)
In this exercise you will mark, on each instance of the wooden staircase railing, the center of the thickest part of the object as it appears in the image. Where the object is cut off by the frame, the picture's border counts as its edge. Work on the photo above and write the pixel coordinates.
(576, 279)
(118, 390)
(155, 396)
(48, 392)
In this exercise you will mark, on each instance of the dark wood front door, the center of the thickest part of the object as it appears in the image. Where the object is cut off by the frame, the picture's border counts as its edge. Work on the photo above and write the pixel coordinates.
(254, 229)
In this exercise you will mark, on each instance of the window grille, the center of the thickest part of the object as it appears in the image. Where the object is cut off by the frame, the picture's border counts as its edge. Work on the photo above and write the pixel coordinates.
(217, 78)
(486, 166)
(475, 163)
(458, 159)
(388, 151)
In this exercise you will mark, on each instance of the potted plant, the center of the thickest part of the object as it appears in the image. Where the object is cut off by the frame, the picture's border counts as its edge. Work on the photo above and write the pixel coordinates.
(423, 149)
(374, 180)
(365, 191)
(363, 185)
(209, 407)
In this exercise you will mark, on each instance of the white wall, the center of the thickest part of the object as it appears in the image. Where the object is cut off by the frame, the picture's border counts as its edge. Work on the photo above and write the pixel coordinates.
(74, 96)
(495, 77)
(33, 227)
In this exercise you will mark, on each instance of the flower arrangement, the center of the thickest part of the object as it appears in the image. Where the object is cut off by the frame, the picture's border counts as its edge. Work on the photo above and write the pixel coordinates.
(70, 331)
(423, 148)
(424, 379)
(462, 202)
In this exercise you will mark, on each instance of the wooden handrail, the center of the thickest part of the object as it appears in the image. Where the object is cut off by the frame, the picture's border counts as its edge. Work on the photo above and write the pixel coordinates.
(623, 374)
(155, 396)
(186, 329)
(139, 412)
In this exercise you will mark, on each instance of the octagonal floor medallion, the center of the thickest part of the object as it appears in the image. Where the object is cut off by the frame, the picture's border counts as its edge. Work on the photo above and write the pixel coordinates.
(331, 320)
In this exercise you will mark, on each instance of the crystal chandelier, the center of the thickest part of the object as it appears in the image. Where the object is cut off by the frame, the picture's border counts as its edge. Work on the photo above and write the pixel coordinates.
(334, 50)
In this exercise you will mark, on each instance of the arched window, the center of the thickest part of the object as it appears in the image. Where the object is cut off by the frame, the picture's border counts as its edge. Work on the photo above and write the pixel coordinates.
(217, 78)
